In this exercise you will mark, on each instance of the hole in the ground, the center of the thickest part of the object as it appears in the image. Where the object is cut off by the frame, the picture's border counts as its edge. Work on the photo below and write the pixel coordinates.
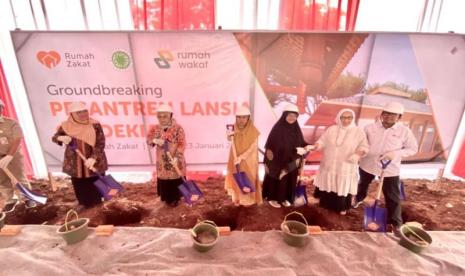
(409, 214)
(226, 216)
(37, 215)
(117, 214)
(314, 215)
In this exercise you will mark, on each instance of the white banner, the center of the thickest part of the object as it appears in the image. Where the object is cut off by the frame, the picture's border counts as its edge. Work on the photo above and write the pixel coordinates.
(123, 77)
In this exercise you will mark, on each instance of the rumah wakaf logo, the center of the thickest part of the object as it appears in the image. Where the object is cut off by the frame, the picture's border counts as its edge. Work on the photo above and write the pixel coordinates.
(49, 59)
(164, 58)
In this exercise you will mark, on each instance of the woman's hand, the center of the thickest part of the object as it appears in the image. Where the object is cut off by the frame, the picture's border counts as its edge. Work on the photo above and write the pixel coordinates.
(65, 139)
(158, 142)
(354, 158)
(89, 163)
(310, 148)
(301, 151)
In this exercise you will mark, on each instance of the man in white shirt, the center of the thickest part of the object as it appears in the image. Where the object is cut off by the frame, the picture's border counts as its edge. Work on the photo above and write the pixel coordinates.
(389, 140)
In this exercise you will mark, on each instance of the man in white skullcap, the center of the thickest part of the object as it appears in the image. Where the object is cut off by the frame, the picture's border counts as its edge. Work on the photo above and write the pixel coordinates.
(389, 140)
(11, 158)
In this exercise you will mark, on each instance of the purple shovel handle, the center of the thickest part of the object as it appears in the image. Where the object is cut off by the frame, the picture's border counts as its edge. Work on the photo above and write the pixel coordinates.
(384, 164)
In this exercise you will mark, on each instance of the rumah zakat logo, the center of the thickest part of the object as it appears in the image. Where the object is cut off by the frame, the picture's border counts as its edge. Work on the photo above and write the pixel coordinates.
(49, 59)
(164, 58)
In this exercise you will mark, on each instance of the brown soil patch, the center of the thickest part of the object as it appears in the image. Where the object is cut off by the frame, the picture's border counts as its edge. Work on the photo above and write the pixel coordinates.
(438, 205)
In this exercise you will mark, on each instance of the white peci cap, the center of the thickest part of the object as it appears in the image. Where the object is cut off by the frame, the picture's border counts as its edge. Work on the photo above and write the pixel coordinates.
(165, 108)
(292, 108)
(243, 111)
(77, 106)
(394, 107)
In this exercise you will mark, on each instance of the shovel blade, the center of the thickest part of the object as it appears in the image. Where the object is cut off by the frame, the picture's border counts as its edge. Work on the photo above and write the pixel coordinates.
(30, 194)
(374, 218)
(243, 182)
(190, 191)
(110, 181)
(300, 198)
(108, 186)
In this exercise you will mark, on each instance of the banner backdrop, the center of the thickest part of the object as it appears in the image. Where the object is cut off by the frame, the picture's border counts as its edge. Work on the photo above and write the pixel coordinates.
(124, 77)
(205, 76)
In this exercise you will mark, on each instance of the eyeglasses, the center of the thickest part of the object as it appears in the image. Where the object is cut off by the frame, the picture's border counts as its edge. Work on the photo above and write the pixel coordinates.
(163, 116)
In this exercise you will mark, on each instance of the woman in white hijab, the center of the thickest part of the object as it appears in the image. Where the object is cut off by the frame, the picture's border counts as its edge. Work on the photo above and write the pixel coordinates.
(342, 144)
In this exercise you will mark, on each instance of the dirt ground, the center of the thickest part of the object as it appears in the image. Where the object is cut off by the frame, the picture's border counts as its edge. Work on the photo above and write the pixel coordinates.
(438, 205)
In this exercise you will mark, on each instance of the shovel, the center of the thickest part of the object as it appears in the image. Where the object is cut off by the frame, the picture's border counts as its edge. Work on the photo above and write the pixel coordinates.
(375, 216)
(241, 177)
(189, 190)
(300, 198)
(25, 191)
(106, 184)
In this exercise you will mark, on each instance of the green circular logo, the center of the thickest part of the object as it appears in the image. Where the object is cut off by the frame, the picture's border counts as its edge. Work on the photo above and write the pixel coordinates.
(120, 60)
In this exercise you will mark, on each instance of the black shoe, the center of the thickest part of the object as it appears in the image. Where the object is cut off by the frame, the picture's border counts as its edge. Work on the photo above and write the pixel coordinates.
(173, 204)
(10, 206)
(30, 204)
(396, 231)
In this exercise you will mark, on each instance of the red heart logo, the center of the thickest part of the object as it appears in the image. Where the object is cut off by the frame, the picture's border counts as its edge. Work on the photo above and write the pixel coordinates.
(50, 59)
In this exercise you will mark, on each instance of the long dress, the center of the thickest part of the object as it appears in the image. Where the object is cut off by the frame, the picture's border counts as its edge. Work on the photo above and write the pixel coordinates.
(337, 179)
(168, 179)
(92, 146)
(246, 143)
(282, 142)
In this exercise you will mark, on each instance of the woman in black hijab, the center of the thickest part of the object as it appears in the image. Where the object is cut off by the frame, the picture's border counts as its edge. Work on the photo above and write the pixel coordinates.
(283, 151)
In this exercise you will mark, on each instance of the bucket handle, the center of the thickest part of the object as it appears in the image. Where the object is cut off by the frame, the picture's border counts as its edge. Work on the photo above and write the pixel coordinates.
(67, 216)
(414, 233)
(297, 213)
(209, 222)
(203, 221)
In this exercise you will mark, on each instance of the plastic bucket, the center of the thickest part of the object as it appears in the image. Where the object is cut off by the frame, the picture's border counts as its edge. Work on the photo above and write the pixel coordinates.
(205, 235)
(2, 220)
(295, 232)
(414, 238)
(74, 231)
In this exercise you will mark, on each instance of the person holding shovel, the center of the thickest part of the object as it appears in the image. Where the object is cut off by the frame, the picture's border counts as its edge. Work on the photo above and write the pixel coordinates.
(283, 153)
(11, 159)
(170, 142)
(343, 144)
(244, 139)
(389, 141)
(89, 139)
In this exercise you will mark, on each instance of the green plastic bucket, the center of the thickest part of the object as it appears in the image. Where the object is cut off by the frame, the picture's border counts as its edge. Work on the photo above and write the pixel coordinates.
(295, 232)
(74, 231)
(414, 238)
(204, 235)
(2, 220)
